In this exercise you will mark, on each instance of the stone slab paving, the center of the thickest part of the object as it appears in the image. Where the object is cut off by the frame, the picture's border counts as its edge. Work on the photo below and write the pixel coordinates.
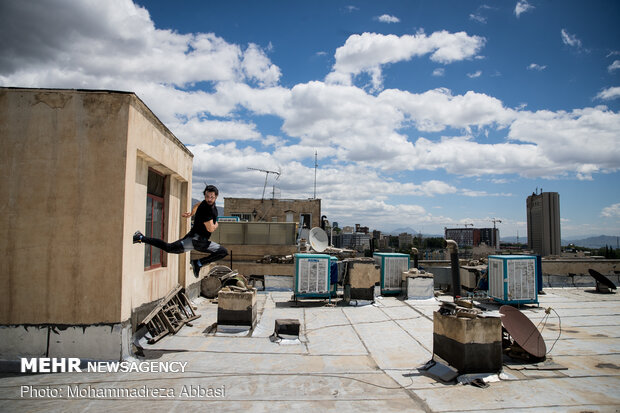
(350, 358)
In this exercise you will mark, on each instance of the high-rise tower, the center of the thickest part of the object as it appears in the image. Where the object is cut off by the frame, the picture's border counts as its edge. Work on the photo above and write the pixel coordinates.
(543, 223)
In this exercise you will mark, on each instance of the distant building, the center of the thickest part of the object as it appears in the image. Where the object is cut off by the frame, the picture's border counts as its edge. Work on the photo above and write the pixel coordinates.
(357, 241)
(464, 237)
(306, 212)
(473, 237)
(359, 228)
(347, 229)
(405, 240)
(543, 223)
(490, 237)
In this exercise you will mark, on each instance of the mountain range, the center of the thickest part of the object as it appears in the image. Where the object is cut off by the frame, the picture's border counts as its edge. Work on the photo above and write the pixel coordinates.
(598, 241)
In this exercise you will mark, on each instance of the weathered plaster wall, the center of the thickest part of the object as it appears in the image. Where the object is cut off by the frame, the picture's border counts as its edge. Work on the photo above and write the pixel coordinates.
(73, 173)
(62, 185)
(150, 145)
(269, 208)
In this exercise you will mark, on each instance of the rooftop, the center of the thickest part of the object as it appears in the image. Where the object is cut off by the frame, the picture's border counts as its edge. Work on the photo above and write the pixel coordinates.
(357, 358)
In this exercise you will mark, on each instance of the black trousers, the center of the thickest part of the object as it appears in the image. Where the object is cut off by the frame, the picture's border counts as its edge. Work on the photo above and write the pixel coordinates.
(188, 243)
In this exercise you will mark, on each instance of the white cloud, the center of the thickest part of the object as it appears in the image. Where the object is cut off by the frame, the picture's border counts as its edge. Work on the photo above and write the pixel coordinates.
(434, 110)
(477, 17)
(196, 131)
(386, 18)
(614, 66)
(474, 75)
(572, 140)
(570, 39)
(367, 52)
(609, 93)
(522, 7)
(440, 71)
(256, 65)
(537, 67)
(115, 45)
(612, 211)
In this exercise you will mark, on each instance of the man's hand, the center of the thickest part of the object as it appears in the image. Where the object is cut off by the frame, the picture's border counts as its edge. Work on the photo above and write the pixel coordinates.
(186, 214)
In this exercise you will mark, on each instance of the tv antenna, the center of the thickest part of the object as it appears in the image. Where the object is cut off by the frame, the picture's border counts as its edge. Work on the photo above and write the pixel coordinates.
(277, 173)
(316, 164)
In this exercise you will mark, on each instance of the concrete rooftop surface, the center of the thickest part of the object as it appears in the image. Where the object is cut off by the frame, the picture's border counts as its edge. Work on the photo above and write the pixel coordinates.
(353, 358)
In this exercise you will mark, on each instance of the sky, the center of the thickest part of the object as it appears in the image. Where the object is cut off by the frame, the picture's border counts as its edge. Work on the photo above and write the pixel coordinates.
(418, 114)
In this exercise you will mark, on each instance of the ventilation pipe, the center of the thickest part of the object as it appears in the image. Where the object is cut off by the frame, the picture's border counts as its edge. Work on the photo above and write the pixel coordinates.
(414, 251)
(454, 264)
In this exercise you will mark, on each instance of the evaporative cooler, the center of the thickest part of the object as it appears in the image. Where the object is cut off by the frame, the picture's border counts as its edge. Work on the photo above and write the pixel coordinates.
(312, 275)
(392, 267)
(512, 279)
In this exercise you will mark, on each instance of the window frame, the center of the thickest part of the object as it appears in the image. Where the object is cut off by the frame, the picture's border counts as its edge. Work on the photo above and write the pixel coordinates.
(160, 199)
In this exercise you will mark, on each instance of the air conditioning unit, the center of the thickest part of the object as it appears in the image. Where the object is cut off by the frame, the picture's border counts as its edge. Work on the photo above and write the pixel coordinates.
(312, 275)
(392, 267)
(512, 279)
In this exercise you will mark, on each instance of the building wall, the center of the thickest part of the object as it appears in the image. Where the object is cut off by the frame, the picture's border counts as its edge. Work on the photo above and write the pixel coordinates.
(268, 209)
(73, 175)
(62, 217)
(151, 145)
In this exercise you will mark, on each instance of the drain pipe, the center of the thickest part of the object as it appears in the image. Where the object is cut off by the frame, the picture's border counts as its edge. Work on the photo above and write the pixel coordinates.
(454, 264)
(414, 251)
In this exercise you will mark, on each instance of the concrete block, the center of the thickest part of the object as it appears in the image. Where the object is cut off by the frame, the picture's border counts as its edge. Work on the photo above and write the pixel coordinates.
(99, 342)
(583, 281)
(95, 342)
(471, 345)
(362, 277)
(22, 341)
(278, 283)
(236, 308)
(559, 281)
(287, 327)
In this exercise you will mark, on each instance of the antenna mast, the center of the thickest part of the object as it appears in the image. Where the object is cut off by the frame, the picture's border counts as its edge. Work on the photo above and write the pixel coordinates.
(266, 176)
(316, 164)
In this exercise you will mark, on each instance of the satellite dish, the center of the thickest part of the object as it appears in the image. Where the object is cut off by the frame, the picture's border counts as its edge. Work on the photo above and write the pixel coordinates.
(601, 279)
(523, 331)
(318, 239)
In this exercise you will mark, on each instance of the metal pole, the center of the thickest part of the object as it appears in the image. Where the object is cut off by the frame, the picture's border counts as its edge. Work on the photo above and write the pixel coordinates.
(454, 264)
(414, 251)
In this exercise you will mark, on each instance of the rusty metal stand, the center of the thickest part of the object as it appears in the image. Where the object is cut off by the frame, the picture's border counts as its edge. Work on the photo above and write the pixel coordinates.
(172, 313)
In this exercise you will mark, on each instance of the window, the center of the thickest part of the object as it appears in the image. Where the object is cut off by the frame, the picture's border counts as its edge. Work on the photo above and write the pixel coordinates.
(154, 257)
(305, 220)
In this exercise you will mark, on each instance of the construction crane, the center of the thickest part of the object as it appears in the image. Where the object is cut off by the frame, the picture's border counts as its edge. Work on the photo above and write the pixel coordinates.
(496, 220)
(457, 224)
(266, 176)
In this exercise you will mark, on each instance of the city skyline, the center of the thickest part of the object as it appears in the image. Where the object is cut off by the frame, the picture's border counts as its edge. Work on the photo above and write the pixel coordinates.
(421, 114)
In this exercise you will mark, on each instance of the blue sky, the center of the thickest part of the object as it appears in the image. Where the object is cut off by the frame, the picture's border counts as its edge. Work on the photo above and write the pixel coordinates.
(423, 114)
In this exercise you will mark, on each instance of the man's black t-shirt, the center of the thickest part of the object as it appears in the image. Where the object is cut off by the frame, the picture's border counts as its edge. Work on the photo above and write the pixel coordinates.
(204, 213)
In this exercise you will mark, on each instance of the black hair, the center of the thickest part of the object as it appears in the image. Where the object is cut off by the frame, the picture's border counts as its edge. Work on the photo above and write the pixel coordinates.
(211, 188)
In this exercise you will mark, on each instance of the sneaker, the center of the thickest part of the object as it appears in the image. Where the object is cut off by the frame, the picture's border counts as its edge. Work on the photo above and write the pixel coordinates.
(196, 267)
(137, 237)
